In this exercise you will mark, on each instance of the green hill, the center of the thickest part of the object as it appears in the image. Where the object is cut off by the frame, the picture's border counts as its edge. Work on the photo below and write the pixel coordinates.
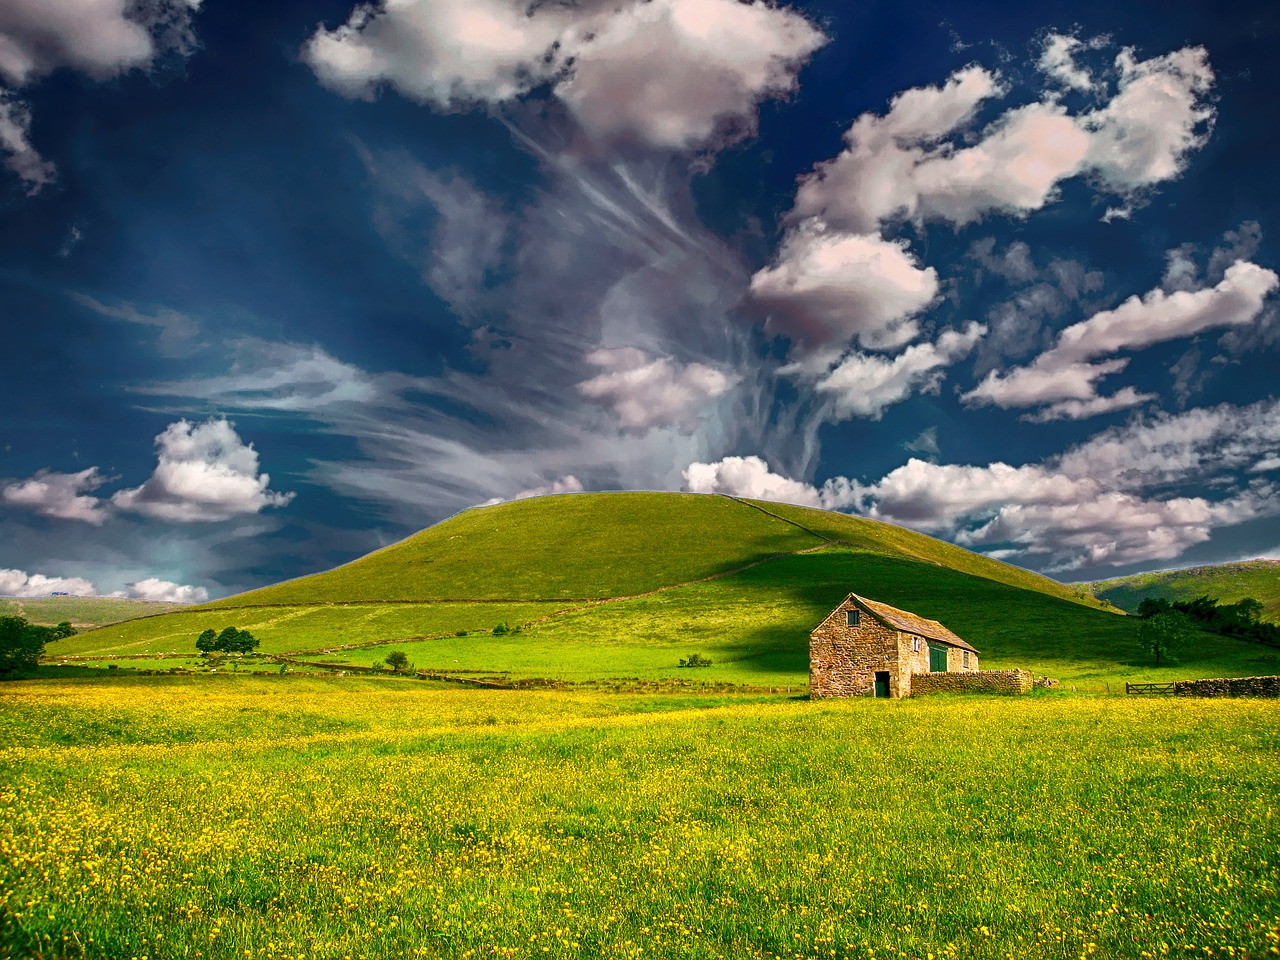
(82, 612)
(624, 585)
(1226, 582)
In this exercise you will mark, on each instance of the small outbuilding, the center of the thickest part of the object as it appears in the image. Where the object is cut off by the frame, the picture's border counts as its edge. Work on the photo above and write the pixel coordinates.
(869, 649)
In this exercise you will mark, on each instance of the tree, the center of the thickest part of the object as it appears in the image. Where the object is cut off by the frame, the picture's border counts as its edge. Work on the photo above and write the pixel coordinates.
(22, 643)
(206, 642)
(1163, 634)
(397, 660)
(230, 640)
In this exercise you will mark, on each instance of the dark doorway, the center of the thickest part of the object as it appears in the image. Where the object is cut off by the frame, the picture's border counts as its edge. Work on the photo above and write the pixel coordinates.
(882, 683)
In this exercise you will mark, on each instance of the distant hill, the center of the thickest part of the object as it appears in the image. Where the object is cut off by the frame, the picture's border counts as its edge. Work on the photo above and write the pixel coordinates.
(82, 612)
(1226, 582)
(624, 585)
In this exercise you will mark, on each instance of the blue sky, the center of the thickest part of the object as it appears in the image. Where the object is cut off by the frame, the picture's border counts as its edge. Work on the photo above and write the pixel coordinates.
(283, 283)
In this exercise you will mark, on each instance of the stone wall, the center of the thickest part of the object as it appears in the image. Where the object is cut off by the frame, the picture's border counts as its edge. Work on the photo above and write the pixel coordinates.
(977, 681)
(843, 660)
(1234, 687)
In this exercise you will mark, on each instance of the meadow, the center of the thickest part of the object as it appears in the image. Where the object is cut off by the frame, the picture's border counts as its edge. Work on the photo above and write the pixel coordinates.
(294, 817)
(752, 624)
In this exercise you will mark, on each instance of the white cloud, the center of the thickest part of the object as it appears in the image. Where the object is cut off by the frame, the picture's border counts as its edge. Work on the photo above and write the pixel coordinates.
(872, 179)
(1057, 60)
(903, 165)
(645, 391)
(864, 385)
(153, 588)
(21, 157)
(60, 495)
(826, 288)
(101, 38)
(1158, 116)
(1065, 377)
(205, 472)
(719, 59)
(1111, 500)
(177, 330)
(18, 583)
(748, 477)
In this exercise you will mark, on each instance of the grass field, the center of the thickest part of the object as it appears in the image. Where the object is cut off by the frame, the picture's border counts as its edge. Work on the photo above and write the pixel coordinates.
(82, 612)
(1227, 582)
(290, 817)
(754, 626)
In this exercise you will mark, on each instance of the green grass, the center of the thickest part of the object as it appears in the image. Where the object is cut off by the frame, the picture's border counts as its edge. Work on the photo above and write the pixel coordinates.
(284, 629)
(82, 612)
(1227, 582)
(880, 537)
(548, 548)
(289, 817)
(754, 625)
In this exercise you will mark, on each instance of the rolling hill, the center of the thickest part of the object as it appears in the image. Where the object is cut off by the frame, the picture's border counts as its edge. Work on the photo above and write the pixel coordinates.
(83, 612)
(1227, 582)
(625, 584)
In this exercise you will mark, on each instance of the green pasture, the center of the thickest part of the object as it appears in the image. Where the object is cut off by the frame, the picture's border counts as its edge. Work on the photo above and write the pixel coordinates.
(1226, 582)
(83, 612)
(753, 625)
(257, 817)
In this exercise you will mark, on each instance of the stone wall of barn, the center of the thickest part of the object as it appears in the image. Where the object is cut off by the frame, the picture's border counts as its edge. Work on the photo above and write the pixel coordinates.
(973, 681)
(955, 661)
(843, 660)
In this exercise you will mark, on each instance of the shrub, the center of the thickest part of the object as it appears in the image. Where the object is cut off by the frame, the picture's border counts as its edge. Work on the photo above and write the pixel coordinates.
(695, 660)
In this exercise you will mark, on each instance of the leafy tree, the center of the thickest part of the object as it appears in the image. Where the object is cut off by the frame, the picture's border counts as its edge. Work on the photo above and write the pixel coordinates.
(22, 643)
(1163, 634)
(397, 660)
(1150, 606)
(230, 640)
(501, 629)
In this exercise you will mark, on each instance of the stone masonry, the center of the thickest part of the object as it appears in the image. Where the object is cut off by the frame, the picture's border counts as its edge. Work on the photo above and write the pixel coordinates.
(980, 681)
(844, 659)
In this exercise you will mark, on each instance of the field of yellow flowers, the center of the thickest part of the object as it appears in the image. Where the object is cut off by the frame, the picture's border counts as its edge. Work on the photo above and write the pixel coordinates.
(295, 817)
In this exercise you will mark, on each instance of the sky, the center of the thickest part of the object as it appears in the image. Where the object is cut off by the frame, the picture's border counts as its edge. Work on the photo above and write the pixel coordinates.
(283, 283)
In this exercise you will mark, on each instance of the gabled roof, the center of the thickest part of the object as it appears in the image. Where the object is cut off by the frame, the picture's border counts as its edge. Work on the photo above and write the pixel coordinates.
(909, 622)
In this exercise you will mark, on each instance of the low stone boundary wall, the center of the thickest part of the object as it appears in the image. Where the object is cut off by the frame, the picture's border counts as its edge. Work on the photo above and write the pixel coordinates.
(979, 681)
(1232, 687)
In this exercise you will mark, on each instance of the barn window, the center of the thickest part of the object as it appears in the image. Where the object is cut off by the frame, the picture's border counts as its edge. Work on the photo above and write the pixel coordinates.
(852, 617)
(966, 659)
(915, 644)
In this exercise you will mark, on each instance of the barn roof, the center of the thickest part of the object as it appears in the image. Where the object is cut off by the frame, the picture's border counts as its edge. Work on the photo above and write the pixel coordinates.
(911, 623)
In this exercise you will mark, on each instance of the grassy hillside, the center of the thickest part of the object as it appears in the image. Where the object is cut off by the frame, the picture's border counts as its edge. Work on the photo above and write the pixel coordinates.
(549, 548)
(1228, 582)
(739, 582)
(82, 612)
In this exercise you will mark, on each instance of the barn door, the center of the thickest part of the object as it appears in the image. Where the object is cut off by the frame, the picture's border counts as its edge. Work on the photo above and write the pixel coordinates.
(937, 658)
(882, 683)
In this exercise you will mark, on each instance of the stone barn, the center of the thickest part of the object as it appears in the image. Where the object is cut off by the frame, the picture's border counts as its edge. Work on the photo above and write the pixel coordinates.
(870, 649)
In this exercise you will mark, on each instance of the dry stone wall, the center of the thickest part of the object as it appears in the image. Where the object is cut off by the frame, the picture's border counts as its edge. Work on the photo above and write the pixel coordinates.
(976, 681)
(1233, 687)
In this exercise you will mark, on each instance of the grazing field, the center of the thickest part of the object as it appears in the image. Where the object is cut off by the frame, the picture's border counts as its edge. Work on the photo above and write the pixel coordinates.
(1226, 582)
(83, 612)
(753, 625)
(292, 817)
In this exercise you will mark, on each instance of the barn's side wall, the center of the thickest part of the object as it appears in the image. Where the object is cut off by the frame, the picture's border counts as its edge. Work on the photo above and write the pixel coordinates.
(843, 660)
(955, 661)
(974, 681)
